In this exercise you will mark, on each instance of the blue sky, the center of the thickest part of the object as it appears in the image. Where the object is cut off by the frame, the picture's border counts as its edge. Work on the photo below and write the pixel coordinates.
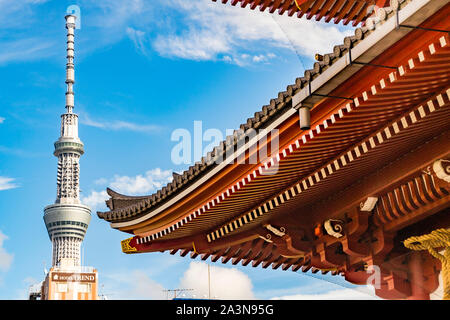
(142, 70)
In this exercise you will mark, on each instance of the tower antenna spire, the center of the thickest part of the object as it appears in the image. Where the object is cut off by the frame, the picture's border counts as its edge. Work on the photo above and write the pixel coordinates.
(70, 67)
(67, 219)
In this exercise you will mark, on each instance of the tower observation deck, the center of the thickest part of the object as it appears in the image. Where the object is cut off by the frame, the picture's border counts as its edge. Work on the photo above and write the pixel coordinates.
(67, 219)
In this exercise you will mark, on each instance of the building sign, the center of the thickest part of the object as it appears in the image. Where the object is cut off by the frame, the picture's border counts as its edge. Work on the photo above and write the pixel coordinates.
(73, 277)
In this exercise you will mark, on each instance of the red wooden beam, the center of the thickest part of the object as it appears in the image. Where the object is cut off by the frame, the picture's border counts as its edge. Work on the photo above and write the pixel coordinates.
(244, 251)
(255, 251)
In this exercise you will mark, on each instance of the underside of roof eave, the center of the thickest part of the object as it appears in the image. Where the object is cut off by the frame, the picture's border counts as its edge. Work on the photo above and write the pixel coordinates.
(342, 11)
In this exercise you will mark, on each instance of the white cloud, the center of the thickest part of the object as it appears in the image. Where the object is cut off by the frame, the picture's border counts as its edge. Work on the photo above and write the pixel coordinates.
(95, 199)
(114, 14)
(5, 257)
(245, 59)
(259, 58)
(211, 29)
(138, 38)
(7, 183)
(146, 183)
(101, 181)
(132, 285)
(22, 44)
(13, 12)
(25, 49)
(2, 119)
(195, 45)
(196, 30)
(151, 181)
(360, 293)
(116, 125)
(226, 283)
(27, 35)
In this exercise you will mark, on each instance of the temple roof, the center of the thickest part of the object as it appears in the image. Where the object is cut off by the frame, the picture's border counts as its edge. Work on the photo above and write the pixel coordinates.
(276, 107)
(125, 208)
(345, 11)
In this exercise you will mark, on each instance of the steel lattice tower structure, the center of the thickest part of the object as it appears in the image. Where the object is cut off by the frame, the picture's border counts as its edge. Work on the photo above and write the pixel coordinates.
(67, 219)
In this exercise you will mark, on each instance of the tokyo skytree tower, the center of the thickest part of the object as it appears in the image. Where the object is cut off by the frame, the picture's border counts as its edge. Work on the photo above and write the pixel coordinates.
(67, 219)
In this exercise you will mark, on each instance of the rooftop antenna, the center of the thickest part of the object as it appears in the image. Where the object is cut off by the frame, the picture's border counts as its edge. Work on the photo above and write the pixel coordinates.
(102, 295)
(175, 292)
(45, 268)
(209, 282)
